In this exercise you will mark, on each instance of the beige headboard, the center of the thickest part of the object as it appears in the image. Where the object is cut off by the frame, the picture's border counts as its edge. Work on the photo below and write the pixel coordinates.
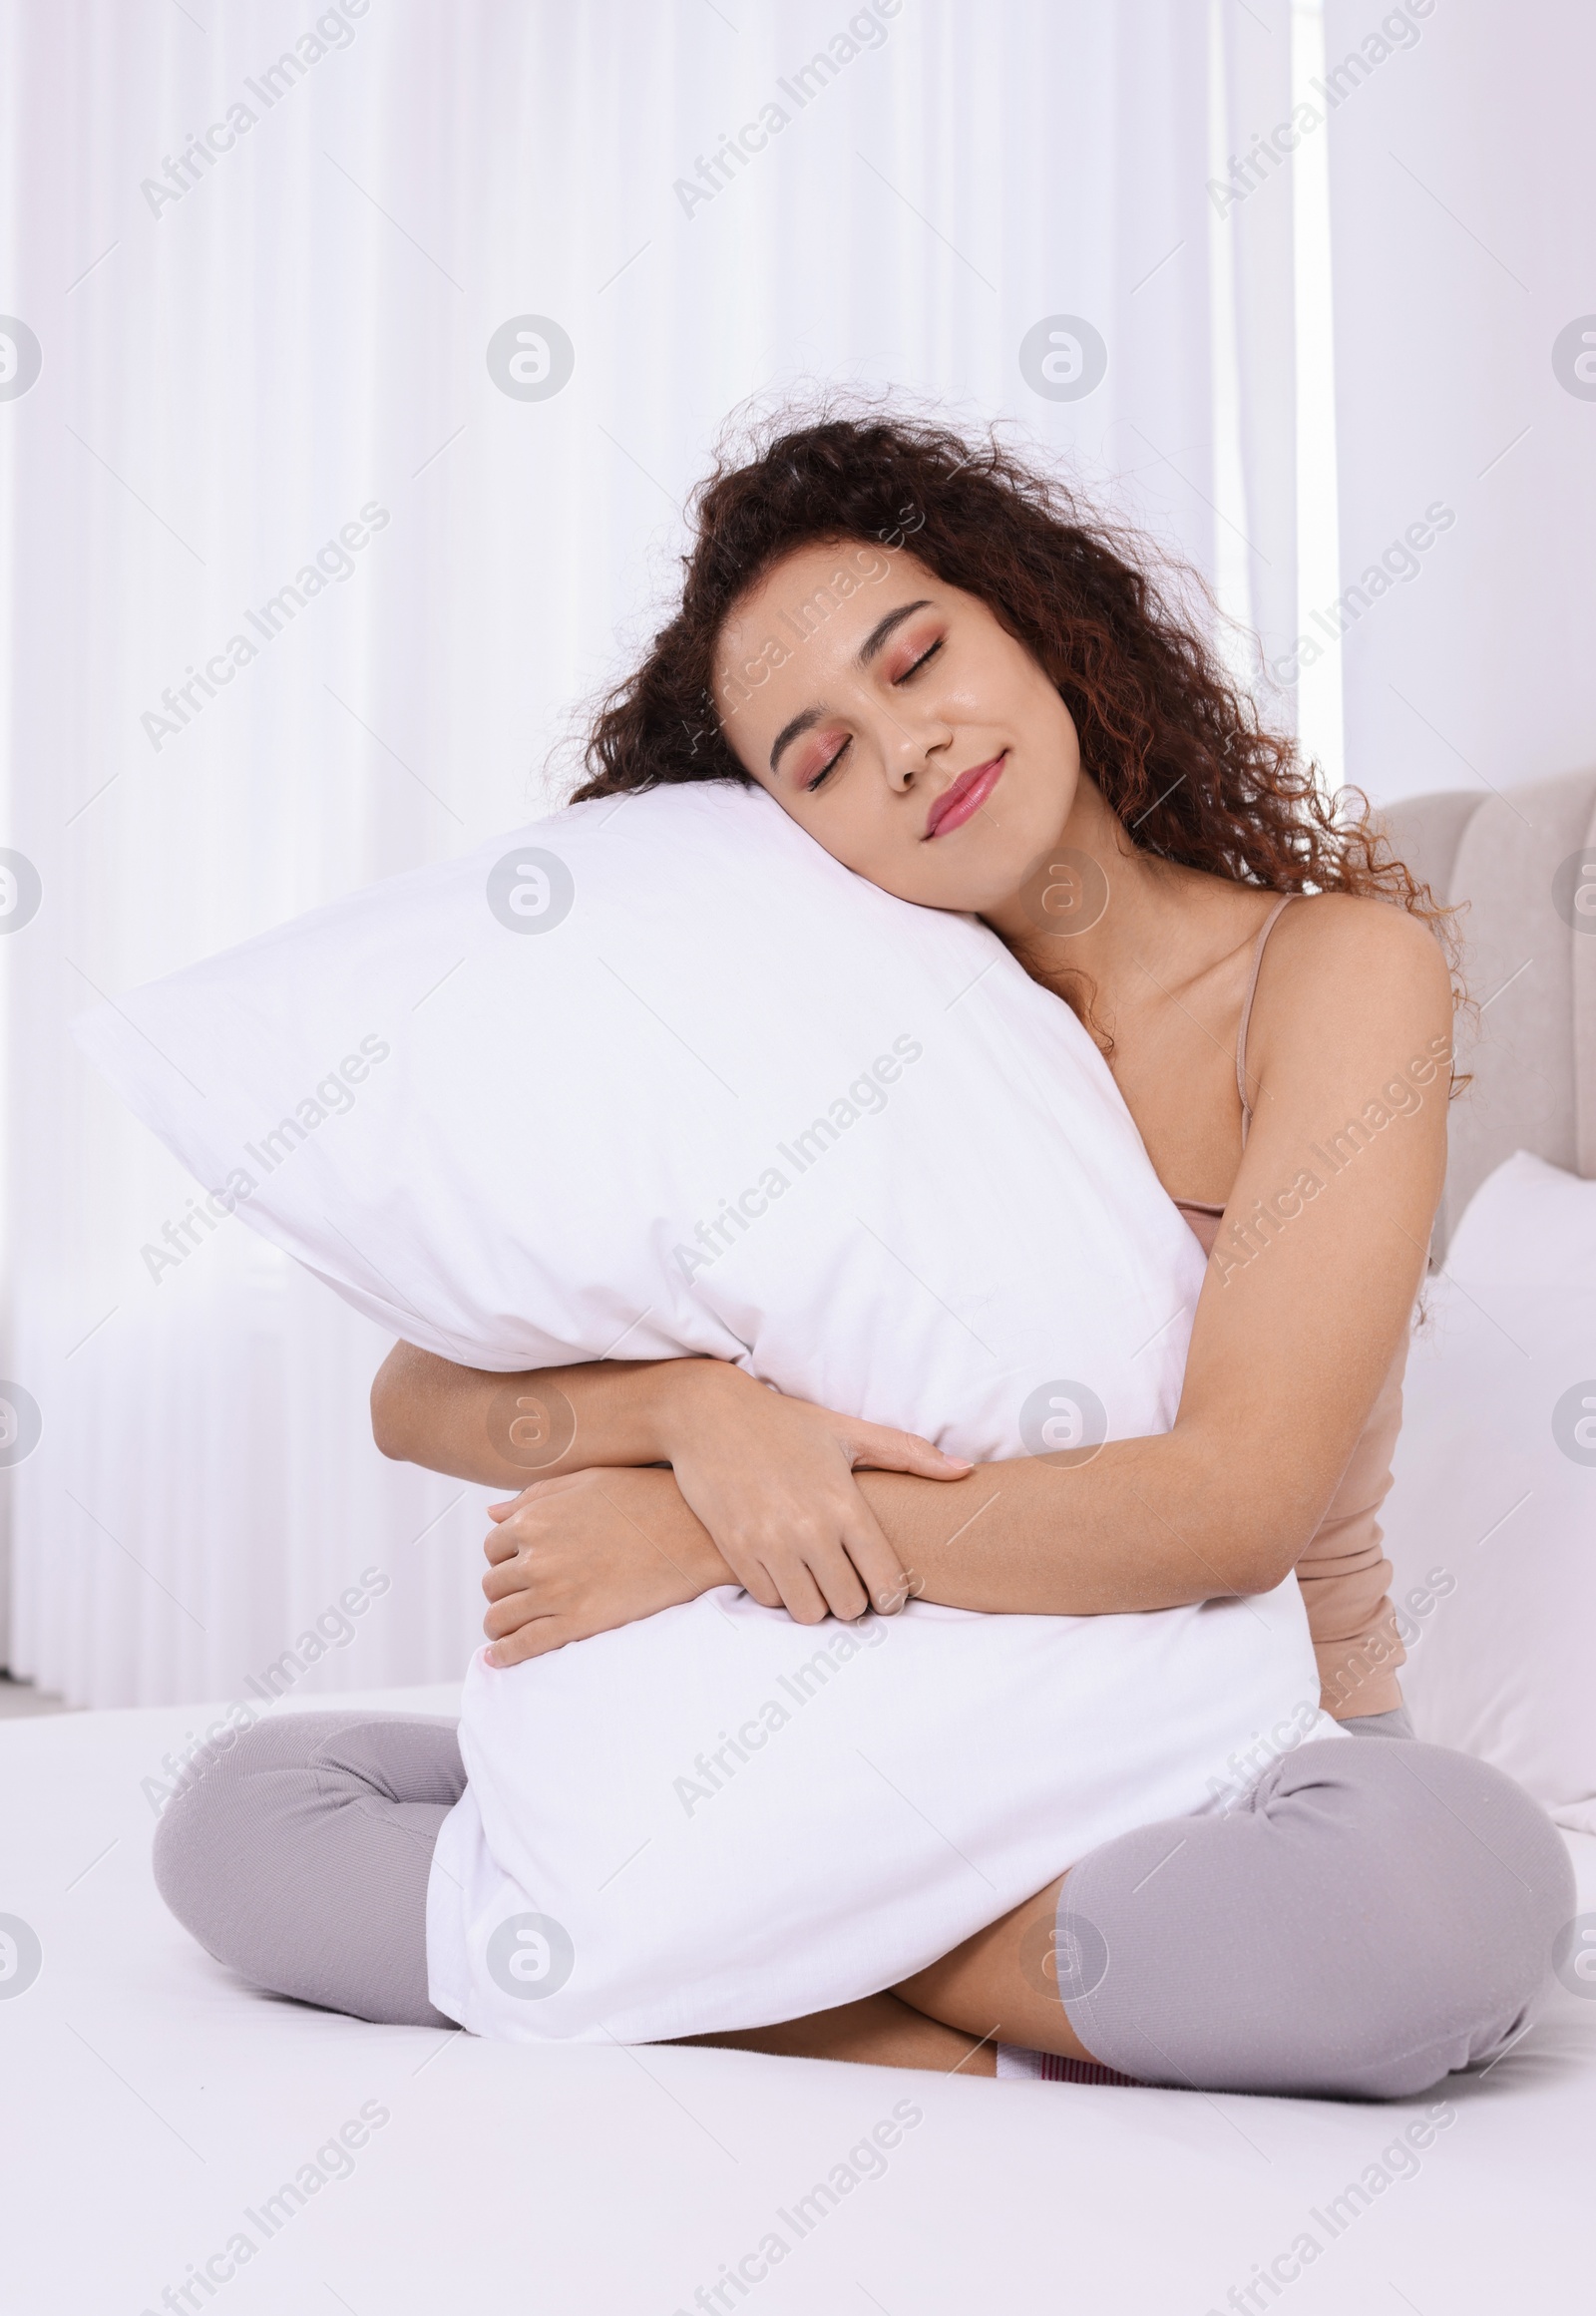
(1533, 975)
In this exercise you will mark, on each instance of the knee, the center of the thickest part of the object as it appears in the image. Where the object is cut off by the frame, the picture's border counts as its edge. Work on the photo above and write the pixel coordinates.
(1462, 1886)
(1464, 1854)
(1376, 1917)
(188, 1855)
(1519, 1880)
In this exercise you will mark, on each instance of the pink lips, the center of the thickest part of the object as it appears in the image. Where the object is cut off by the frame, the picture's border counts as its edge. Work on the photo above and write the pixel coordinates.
(965, 798)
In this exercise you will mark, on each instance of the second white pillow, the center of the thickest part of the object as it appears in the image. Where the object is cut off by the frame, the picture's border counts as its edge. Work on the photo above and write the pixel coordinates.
(1490, 1524)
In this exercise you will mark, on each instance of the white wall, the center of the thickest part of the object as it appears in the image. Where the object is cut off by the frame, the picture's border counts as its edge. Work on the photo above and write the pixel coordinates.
(1464, 243)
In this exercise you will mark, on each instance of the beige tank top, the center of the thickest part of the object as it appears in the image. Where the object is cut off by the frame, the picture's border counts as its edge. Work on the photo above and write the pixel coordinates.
(1343, 1574)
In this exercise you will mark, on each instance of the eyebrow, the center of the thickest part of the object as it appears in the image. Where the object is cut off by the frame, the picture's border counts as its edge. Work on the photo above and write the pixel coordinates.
(862, 659)
(884, 627)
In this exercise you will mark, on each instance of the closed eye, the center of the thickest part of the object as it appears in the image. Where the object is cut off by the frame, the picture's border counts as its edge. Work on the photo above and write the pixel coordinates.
(826, 770)
(930, 653)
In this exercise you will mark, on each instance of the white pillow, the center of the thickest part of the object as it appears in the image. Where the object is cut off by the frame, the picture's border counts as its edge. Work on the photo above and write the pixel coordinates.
(718, 1819)
(1490, 1524)
(663, 1077)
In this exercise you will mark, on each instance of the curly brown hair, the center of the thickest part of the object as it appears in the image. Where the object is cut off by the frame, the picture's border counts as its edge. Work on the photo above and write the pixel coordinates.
(1176, 747)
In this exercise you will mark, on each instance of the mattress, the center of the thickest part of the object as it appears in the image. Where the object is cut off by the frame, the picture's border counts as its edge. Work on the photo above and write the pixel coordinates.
(170, 2139)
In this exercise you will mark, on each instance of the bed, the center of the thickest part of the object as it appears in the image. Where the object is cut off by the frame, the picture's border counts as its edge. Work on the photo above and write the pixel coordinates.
(171, 2137)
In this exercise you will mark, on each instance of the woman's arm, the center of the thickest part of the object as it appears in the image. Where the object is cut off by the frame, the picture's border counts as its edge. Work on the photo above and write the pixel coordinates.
(771, 1480)
(1308, 1295)
(1306, 1298)
(506, 1430)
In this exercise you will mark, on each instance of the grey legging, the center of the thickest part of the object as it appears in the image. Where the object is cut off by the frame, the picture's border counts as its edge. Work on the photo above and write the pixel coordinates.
(1371, 1916)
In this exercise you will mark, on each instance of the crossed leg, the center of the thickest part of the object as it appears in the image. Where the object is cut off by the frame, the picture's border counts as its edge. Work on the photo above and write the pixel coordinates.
(997, 1987)
(1372, 1917)
(1375, 1915)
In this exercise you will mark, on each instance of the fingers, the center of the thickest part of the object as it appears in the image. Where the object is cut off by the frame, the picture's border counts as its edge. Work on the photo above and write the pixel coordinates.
(533, 1638)
(797, 1590)
(876, 1563)
(508, 1576)
(831, 1559)
(911, 1584)
(565, 1483)
(878, 1448)
(756, 1581)
(503, 1541)
(839, 1580)
(514, 1611)
(511, 1504)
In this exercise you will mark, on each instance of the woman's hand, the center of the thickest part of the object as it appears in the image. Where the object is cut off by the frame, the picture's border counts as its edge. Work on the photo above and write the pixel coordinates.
(761, 1494)
(771, 1478)
(579, 1555)
(772, 1481)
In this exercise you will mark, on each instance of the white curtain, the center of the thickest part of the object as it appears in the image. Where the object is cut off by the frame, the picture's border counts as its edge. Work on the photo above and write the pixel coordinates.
(262, 254)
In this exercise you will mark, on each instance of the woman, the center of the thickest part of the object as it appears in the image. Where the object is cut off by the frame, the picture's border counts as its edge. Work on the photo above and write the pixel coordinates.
(1014, 723)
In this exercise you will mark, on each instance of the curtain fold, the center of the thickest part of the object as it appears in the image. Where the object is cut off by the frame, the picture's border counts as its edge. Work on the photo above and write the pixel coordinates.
(1253, 200)
(263, 336)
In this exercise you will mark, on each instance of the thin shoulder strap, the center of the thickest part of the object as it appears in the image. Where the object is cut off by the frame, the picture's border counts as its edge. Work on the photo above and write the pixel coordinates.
(1264, 932)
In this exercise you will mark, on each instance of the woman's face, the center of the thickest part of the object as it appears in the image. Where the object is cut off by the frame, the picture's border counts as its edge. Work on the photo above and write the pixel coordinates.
(898, 722)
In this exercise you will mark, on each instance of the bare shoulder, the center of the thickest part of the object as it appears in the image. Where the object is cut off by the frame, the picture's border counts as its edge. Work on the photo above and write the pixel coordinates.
(1342, 953)
(1351, 987)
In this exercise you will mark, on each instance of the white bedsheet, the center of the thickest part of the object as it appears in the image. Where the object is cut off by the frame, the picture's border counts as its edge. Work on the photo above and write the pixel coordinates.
(151, 2102)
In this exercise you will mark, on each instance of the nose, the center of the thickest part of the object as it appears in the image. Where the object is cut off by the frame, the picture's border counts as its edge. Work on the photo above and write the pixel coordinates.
(913, 746)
